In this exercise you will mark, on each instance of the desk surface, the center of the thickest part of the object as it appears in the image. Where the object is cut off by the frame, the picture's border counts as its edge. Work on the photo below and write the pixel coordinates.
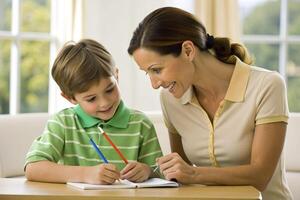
(19, 188)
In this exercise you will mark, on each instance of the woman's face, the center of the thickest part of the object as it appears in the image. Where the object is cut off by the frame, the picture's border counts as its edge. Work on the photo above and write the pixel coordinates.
(168, 71)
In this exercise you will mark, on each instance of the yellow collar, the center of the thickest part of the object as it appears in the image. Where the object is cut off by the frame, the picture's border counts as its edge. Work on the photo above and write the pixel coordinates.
(238, 83)
(237, 86)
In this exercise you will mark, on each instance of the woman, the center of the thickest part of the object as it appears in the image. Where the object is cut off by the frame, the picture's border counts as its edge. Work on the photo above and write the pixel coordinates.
(226, 119)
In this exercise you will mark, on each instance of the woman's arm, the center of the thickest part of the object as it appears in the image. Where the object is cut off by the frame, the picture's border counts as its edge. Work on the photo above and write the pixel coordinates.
(46, 171)
(266, 149)
(176, 146)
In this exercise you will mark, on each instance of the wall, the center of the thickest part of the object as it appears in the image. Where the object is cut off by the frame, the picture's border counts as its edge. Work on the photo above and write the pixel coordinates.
(112, 24)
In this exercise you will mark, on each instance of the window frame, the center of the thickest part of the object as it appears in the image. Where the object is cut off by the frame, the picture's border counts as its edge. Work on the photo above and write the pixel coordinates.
(16, 36)
(283, 39)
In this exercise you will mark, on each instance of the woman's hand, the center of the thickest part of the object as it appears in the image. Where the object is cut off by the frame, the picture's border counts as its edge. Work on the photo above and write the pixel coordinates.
(136, 172)
(172, 166)
(101, 174)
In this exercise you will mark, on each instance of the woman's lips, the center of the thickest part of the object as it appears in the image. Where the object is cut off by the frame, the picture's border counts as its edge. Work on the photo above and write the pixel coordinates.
(171, 87)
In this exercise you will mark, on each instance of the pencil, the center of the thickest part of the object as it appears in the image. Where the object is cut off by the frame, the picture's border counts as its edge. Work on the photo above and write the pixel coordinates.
(113, 145)
(100, 154)
(155, 169)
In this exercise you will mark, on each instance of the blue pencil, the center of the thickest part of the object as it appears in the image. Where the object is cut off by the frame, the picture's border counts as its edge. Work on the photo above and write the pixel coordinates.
(100, 154)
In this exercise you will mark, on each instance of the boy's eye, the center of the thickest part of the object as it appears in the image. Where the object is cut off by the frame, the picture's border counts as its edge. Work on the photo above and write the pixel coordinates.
(91, 99)
(110, 90)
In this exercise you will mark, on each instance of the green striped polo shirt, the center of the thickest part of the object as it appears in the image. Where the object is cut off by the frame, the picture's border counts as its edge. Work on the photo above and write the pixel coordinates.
(65, 139)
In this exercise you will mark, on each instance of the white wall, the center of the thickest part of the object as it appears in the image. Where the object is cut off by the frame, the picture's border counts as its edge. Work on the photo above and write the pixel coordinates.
(112, 24)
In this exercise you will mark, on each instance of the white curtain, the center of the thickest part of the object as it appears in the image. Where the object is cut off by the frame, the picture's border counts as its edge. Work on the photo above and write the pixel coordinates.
(66, 25)
(220, 17)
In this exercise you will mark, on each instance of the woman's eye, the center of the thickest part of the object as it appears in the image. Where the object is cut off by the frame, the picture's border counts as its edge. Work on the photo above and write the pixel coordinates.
(155, 70)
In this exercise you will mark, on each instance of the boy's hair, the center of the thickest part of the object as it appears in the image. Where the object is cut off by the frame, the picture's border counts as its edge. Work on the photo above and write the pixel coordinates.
(80, 65)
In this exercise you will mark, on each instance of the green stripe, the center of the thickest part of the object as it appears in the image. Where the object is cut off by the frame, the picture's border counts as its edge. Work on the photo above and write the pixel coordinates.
(65, 140)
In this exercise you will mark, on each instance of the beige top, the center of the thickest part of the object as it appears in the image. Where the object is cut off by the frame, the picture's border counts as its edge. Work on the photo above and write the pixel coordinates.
(255, 96)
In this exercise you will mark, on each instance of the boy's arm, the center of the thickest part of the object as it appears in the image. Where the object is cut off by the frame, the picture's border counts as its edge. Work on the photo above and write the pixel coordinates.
(47, 150)
(46, 171)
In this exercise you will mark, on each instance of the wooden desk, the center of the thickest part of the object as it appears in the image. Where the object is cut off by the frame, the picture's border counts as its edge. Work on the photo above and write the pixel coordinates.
(19, 188)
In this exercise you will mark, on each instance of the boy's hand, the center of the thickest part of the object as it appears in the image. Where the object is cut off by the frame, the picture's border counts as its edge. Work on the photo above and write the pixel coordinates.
(136, 172)
(101, 174)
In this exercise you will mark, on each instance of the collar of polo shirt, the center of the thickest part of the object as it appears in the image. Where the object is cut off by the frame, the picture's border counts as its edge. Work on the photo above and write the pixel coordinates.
(237, 86)
(119, 120)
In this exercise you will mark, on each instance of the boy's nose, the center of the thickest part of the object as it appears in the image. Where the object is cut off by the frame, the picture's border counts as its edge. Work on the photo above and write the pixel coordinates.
(104, 104)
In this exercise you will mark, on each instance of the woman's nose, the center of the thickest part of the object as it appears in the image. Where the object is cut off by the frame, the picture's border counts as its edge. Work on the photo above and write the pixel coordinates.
(156, 83)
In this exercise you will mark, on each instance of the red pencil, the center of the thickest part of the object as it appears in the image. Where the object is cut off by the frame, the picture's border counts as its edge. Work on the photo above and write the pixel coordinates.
(113, 145)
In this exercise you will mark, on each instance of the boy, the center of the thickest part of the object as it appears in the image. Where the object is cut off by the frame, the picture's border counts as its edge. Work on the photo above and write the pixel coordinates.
(87, 77)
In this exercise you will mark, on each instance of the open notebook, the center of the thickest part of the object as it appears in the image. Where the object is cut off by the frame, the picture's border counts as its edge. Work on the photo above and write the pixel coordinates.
(152, 182)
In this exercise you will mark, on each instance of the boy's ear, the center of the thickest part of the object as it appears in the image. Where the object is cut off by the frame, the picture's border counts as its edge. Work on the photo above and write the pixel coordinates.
(70, 99)
(188, 49)
(117, 74)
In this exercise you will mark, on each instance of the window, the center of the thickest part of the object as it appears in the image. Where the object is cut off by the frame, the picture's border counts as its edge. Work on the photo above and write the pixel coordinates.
(271, 32)
(25, 42)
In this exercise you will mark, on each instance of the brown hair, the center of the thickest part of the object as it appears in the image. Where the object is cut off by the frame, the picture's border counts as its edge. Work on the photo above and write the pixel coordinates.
(80, 65)
(165, 29)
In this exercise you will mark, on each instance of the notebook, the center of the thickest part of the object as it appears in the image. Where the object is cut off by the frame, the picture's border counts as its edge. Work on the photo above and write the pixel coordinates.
(152, 182)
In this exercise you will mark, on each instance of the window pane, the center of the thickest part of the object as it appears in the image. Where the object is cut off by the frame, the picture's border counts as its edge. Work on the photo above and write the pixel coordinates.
(35, 16)
(293, 74)
(4, 75)
(265, 55)
(5, 15)
(260, 16)
(294, 17)
(34, 76)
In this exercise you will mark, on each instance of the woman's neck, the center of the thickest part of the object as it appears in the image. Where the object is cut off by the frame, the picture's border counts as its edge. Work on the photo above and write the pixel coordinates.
(212, 76)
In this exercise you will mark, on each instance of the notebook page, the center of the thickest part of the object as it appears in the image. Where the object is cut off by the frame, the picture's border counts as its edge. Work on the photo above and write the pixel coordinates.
(115, 185)
(157, 182)
(152, 182)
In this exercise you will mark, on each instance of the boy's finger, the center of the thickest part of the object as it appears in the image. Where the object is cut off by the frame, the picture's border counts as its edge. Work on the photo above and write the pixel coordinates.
(130, 174)
(109, 179)
(111, 167)
(128, 168)
(112, 174)
(137, 177)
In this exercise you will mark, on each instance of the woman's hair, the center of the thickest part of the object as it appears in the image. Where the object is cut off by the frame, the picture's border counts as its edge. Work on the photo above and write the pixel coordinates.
(165, 29)
(80, 65)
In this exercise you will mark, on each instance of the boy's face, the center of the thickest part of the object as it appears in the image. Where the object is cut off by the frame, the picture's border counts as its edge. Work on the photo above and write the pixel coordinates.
(100, 100)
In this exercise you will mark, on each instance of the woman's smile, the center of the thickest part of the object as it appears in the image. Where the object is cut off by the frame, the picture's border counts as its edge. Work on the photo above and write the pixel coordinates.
(171, 87)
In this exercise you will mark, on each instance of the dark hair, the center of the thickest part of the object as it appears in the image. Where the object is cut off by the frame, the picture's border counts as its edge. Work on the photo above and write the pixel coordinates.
(80, 65)
(165, 29)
